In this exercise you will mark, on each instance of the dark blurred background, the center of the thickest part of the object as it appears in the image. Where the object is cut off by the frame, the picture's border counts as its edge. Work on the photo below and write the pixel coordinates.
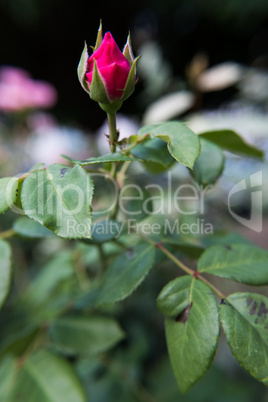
(46, 38)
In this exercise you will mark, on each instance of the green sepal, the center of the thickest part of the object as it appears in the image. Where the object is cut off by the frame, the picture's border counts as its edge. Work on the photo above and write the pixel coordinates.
(112, 107)
(99, 38)
(82, 68)
(131, 81)
(97, 87)
(127, 51)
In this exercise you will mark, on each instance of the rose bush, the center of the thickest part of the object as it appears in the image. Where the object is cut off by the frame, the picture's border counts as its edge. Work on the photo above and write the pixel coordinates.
(97, 245)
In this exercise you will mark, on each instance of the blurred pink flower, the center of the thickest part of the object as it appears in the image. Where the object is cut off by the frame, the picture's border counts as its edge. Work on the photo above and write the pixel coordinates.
(18, 91)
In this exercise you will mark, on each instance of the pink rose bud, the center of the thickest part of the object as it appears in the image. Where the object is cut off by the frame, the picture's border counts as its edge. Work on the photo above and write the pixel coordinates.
(112, 65)
(108, 75)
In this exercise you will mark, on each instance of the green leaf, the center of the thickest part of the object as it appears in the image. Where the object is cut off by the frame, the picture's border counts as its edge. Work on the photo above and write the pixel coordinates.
(59, 198)
(126, 273)
(227, 239)
(231, 141)
(131, 140)
(7, 370)
(183, 144)
(85, 335)
(154, 150)
(139, 202)
(45, 377)
(191, 250)
(51, 274)
(17, 207)
(8, 192)
(116, 157)
(67, 158)
(174, 297)
(244, 318)
(239, 262)
(5, 270)
(192, 328)
(17, 341)
(37, 166)
(105, 230)
(210, 163)
(29, 228)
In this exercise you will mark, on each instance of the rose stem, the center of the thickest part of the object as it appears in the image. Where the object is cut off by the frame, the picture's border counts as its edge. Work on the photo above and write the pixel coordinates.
(112, 131)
